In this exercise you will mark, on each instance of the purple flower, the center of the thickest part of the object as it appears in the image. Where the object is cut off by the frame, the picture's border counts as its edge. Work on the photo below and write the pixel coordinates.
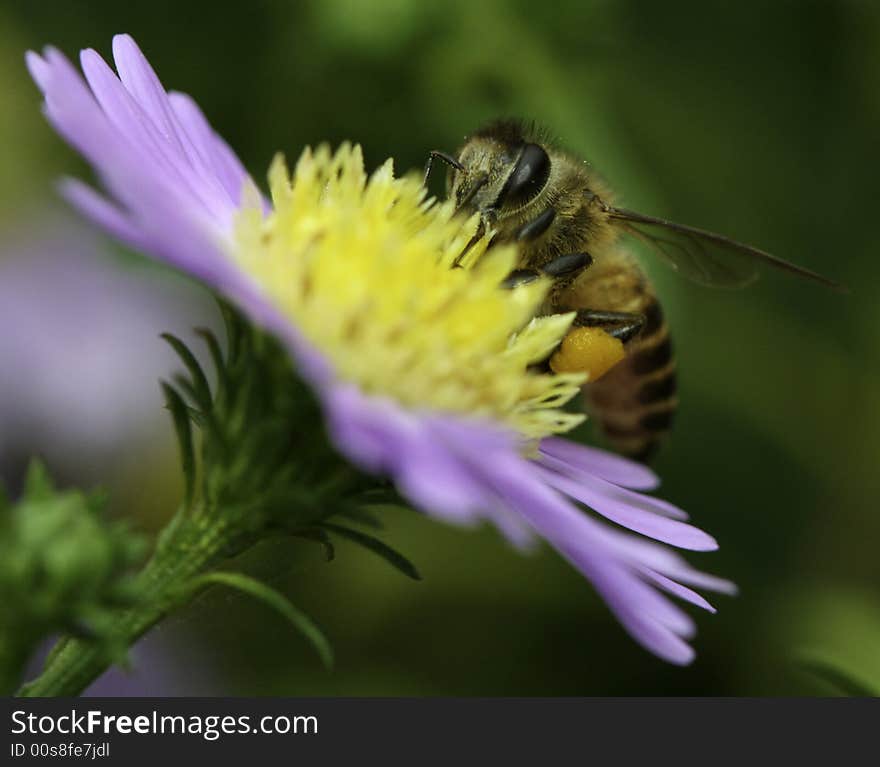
(80, 358)
(425, 380)
(157, 668)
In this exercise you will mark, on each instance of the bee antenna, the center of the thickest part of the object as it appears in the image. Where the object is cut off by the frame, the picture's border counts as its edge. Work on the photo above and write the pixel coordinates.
(436, 154)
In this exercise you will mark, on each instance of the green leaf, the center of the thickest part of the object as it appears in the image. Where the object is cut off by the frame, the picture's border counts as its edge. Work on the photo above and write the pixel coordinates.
(275, 599)
(831, 673)
(182, 427)
(394, 558)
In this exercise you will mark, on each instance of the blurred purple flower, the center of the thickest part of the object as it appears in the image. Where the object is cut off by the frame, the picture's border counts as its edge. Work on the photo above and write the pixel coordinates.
(175, 189)
(81, 354)
(158, 666)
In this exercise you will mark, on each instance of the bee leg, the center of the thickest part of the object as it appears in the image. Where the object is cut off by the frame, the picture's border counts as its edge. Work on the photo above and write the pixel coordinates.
(436, 154)
(622, 325)
(481, 230)
(561, 268)
(519, 277)
(567, 266)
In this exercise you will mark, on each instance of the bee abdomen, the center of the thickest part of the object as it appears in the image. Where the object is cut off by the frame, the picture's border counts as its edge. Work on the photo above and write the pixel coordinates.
(635, 401)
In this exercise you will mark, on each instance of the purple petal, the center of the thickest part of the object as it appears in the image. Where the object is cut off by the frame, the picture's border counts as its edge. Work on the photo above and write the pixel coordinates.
(216, 151)
(636, 500)
(476, 438)
(487, 465)
(354, 430)
(73, 111)
(39, 69)
(606, 500)
(103, 212)
(430, 475)
(575, 459)
(381, 437)
(650, 618)
(429, 457)
(152, 126)
(157, 177)
(652, 635)
(630, 597)
(123, 111)
(676, 589)
(693, 577)
(513, 527)
(579, 538)
(142, 83)
(642, 553)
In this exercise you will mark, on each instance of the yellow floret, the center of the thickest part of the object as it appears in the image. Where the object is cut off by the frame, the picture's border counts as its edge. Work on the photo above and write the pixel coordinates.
(364, 268)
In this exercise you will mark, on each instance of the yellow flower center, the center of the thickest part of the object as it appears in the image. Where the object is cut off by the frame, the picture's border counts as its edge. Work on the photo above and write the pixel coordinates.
(364, 268)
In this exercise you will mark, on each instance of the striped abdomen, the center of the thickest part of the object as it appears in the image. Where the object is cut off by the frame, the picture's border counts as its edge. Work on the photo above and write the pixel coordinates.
(635, 401)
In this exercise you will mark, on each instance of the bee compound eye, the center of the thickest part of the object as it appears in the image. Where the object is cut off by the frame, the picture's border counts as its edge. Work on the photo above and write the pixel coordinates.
(528, 177)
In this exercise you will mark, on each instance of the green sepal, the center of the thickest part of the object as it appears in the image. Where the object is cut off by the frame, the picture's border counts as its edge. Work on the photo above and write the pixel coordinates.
(363, 517)
(317, 535)
(274, 599)
(382, 495)
(390, 555)
(216, 353)
(181, 418)
(199, 386)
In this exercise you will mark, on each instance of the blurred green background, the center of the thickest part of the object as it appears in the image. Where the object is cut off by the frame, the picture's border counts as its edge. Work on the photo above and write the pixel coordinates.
(759, 120)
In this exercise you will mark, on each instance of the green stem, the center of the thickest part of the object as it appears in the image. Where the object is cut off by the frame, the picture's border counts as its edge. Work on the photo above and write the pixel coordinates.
(192, 544)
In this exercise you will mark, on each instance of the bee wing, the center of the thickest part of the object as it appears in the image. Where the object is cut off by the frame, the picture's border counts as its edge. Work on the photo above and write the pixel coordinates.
(705, 257)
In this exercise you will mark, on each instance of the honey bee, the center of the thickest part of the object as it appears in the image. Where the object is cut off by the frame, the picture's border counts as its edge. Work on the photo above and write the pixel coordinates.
(529, 191)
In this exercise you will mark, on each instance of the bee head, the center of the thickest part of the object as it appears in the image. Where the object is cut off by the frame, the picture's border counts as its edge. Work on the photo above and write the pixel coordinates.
(501, 170)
